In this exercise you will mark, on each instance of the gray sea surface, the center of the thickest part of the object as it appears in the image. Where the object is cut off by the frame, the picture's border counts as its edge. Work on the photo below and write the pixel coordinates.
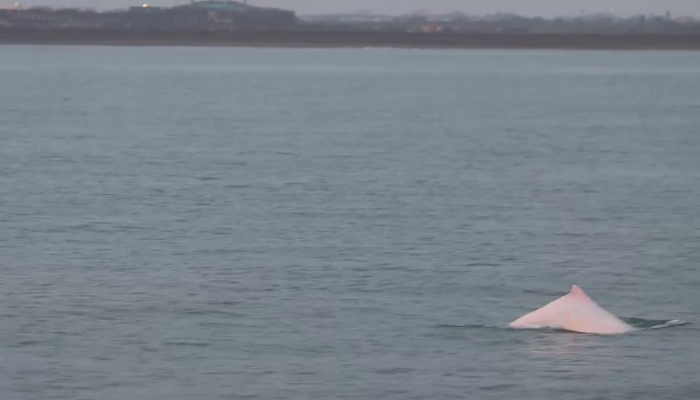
(198, 223)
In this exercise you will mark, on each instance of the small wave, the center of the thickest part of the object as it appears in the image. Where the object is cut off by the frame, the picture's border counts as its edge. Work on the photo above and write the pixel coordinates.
(473, 326)
(644, 324)
(637, 323)
(185, 343)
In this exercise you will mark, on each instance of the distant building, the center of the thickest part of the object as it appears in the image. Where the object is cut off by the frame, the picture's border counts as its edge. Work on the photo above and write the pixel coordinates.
(210, 15)
(45, 18)
(203, 15)
(431, 28)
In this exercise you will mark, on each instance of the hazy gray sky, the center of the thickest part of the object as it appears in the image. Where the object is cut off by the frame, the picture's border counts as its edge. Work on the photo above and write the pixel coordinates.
(527, 7)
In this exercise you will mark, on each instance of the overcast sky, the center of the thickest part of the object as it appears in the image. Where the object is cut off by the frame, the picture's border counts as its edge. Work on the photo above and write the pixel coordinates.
(526, 7)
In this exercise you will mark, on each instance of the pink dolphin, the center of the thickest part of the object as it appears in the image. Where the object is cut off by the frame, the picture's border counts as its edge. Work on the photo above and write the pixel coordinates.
(574, 312)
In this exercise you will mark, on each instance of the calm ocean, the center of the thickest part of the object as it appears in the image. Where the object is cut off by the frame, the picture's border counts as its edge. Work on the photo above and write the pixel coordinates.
(195, 223)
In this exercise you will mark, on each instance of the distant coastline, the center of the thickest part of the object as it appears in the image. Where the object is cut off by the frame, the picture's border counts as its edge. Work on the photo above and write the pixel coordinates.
(330, 39)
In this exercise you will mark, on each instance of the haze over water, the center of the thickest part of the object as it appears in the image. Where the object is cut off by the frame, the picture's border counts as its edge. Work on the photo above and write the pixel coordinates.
(527, 7)
(190, 223)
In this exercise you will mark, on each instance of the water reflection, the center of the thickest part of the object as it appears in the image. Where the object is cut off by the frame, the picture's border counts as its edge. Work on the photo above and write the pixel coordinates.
(563, 350)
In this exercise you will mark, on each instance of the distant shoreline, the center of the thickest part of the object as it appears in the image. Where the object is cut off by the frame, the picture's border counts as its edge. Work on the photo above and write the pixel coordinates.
(324, 39)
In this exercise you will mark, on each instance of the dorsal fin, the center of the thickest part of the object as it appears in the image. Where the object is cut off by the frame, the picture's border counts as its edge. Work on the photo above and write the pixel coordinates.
(574, 312)
(578, 292)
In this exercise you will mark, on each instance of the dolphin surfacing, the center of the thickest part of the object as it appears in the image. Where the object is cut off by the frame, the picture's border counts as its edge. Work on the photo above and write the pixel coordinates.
(574, 312)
